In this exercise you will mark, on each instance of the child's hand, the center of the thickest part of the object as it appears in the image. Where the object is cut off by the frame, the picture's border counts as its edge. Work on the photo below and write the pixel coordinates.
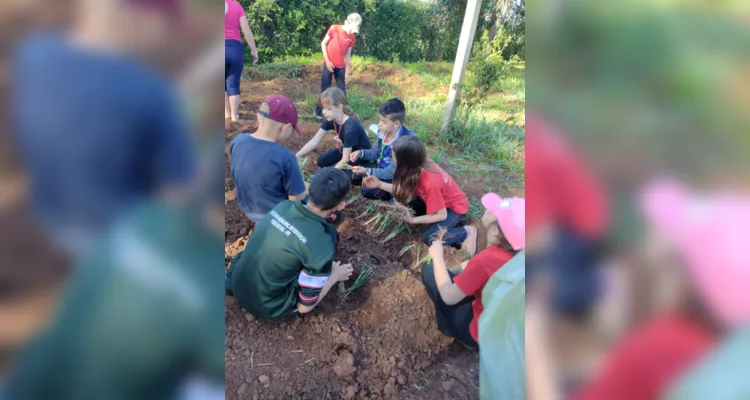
(359, 170)
(436, 250)
(329, 66)
(354, 156)
(372, 182)
(340, 272)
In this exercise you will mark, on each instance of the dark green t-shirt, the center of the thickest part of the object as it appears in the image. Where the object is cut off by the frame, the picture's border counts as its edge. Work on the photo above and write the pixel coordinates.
(287, 260)
(143, 311)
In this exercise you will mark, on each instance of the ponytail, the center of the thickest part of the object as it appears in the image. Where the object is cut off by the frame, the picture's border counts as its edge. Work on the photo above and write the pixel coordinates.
(348, 110)
(335, 96)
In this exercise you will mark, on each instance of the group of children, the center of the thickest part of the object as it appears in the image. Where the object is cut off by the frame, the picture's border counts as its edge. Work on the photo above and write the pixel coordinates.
(288, 267)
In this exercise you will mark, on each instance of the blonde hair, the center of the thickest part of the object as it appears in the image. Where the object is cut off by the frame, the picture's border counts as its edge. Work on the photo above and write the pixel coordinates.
(335, 97)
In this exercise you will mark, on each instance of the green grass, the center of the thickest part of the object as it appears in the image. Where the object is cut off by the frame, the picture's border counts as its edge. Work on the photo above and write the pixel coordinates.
(492, 133)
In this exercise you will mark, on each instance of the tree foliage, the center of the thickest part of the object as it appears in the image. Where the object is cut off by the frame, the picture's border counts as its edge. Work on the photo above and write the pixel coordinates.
(392, 30)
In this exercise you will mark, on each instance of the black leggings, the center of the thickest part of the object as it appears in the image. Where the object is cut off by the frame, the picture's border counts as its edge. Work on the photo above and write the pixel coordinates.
(452, 321)
(333, 156)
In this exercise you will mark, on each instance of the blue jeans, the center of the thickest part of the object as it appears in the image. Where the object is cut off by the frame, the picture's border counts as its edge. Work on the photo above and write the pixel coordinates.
(455, 235)
(234, 63)
(327, 77)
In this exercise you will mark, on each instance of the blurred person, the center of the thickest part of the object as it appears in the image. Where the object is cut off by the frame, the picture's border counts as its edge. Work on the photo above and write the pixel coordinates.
(141, 318)
(97, 130)
(235, 19)
(265, 173)
(696, 243)
(337, 48)
(287, 266)
(568, 223)
(457, 293)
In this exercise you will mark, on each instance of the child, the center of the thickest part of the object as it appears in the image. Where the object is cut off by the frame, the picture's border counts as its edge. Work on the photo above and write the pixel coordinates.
(433, 194)
(457, 294)
(337, 48)
(390, 125)
(287, 266)
(266, 173)
(350, 134)
(139, 289)
(696, 241)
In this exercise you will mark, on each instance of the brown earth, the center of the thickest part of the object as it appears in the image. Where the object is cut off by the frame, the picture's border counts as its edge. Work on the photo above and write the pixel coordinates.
(380, 342)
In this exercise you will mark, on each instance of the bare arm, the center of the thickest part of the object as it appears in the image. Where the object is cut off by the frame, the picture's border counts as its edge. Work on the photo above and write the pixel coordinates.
(439, 216)
(348, 59)
(344, 157)
(449, 291)
(459, 268)
(324, 48)
(312, 144)
(340, 273)
(245, 25)
(303, 309)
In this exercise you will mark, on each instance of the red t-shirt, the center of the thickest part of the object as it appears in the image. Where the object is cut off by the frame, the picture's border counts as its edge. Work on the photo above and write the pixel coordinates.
(559, 188)
(438, 190)
(339, 42)
(648, 362)
(475, 276)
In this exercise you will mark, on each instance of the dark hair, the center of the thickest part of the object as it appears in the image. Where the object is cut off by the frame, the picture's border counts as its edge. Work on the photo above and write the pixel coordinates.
(411, 159)
(329, 187)
(394, 109)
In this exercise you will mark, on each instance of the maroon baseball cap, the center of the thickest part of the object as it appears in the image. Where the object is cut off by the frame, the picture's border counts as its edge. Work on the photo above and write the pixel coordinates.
(281, 109)
(171, 8)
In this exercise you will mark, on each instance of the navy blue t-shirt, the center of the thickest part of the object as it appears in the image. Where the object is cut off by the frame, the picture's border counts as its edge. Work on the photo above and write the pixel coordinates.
(264, 173)
(350, 133)
(98, 133)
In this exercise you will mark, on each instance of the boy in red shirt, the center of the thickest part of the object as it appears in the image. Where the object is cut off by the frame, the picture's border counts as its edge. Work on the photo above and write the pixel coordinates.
(457, 293)
(337, 48)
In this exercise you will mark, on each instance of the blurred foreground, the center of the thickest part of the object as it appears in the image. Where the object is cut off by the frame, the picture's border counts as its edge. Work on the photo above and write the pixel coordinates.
(105, 125)
(638, 178)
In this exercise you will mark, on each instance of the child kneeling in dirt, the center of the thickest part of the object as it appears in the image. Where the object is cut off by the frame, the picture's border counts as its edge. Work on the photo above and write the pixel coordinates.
(287, 265)
(350, 135)
(379, 159)
(457, 293)
(264, 172)
(433, 195)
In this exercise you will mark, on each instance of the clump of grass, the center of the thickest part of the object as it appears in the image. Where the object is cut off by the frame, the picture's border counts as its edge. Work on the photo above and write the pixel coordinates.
(387, 218)
(364, 275)
(302, 164)
(420, 260)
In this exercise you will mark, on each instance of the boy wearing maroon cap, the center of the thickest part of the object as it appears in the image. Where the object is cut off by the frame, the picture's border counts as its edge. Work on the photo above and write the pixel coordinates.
(264, 172)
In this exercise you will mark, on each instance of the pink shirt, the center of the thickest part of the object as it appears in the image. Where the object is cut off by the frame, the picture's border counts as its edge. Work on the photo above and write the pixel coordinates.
(232, 20)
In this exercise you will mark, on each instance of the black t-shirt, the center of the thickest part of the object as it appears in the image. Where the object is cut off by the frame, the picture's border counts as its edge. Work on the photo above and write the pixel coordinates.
(351, 133)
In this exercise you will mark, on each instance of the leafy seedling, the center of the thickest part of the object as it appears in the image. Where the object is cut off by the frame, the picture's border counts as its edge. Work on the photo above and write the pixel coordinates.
(364, 275)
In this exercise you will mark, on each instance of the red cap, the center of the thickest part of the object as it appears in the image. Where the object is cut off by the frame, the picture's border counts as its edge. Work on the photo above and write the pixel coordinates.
(171, 8)
(281, 109)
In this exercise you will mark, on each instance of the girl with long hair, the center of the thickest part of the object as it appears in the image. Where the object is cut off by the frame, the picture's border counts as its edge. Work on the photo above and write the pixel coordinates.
(430, 192)
(349, 133)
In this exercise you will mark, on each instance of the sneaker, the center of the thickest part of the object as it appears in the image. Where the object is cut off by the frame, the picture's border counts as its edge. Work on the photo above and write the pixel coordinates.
(470, 244)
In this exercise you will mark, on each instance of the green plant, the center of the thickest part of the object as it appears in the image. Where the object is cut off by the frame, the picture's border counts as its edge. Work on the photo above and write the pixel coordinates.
(364, 275)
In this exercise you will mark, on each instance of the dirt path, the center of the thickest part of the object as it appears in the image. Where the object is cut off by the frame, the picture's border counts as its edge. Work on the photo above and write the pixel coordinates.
(381, 342)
